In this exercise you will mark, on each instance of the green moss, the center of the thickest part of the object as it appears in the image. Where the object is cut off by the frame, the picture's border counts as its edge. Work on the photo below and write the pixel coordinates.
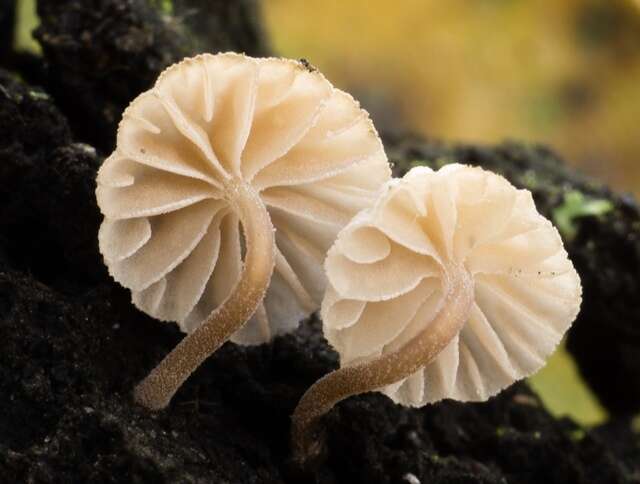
(575, 206)
(38, 95)
(164, 6)
(530, 180)
(435, 458)
(577, 435)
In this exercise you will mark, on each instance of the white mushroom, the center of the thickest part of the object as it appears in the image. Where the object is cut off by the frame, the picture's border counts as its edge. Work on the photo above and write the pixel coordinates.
(223, 141)
(451, 286)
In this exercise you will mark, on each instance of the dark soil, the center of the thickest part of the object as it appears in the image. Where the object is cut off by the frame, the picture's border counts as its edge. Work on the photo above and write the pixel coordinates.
(7, 15)
(72, 346)
(100, 54)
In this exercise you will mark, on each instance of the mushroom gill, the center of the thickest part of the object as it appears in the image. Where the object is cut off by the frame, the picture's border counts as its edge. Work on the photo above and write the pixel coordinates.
(451, 286)
(230, 180)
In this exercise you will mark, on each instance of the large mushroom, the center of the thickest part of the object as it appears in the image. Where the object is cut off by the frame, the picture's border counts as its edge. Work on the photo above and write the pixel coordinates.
(223, 141)
(451, 286)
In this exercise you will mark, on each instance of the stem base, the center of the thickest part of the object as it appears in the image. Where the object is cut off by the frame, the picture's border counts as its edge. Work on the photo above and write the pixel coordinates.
(157, 389)
(383, 370)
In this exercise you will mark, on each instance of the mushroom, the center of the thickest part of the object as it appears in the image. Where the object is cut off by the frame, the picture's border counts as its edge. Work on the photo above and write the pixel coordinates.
(223, 141)
(451, 285)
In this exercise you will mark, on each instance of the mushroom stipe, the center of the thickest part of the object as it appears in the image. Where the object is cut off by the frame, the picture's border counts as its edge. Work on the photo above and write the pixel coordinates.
(155, 391)
(385, 370)
(444, 284)
(223, 141)
(450, 286)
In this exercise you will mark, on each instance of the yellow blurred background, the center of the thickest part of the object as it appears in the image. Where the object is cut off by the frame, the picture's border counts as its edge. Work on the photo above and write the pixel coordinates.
(565, 73)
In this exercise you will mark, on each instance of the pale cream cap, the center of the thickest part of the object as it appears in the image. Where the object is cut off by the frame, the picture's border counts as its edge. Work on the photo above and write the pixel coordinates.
(170, 232)
(386, 282)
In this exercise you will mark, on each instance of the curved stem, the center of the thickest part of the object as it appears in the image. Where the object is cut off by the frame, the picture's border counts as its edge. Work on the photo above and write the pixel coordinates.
(384, 370)
(157, 389)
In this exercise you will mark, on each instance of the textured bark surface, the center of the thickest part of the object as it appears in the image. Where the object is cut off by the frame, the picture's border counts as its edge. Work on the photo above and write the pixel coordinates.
(72, 346)
(100, 54)
(224, 25)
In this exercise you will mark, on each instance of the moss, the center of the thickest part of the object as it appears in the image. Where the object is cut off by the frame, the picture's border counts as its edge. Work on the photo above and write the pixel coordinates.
(577, 434)
(576, 205)
(165, 6)
(435, 459)
(38, 95)
(530, 180)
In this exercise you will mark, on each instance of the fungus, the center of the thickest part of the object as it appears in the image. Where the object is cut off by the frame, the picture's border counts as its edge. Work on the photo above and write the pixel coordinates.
(223, 141)
(451, 285)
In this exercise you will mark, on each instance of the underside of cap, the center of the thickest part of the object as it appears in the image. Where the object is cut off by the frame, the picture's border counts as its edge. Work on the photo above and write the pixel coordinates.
(526, 291)
(171, 232)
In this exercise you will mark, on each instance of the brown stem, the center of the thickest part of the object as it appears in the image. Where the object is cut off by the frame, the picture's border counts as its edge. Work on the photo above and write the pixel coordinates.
(157, 389)
(384, 370)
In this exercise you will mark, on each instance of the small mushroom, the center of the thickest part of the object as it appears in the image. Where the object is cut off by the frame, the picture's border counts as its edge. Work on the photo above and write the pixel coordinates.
(451, 286)
(223, 141)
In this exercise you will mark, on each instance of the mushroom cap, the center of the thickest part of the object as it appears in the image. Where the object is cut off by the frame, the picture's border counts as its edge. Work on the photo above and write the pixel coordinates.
(386, 282)
(170, 232)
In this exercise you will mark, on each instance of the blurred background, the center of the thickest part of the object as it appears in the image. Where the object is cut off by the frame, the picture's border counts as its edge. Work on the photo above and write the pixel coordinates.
(563, 73)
